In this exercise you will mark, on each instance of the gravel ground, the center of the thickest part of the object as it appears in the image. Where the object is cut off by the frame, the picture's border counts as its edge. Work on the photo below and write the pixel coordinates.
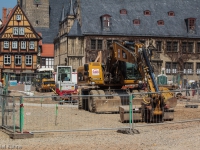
(163, 137)
(183, 136)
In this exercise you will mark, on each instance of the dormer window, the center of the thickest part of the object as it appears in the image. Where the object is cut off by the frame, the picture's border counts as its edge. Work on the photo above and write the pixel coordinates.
(147, 13)
(123, 11)
(171, 13)
(136, 21)
(160, 22)
(106, 22)
(190, 23)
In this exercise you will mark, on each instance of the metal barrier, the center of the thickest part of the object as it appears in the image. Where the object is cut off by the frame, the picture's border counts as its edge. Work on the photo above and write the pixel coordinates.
(10, 113)
(42, 114)
(45, 114)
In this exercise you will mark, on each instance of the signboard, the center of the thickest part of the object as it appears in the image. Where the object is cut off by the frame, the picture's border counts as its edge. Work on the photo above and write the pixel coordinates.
(95, 72)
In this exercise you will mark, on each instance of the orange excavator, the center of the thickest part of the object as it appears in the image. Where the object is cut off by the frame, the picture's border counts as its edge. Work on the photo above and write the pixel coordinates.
(127, 64)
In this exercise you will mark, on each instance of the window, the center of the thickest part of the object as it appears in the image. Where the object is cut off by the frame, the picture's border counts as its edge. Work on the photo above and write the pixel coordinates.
(172, 46)
(99, 44)
(6, 44)
(14, 44)
(106, 21)
(21, 30)
(190, 47)
(136, 21)
(47, 62)
(15, 30)
(198, 68)
(28, 60)
(175, 46)
(96, 44)
(169, 47)
(147, 13)
(93, 44)
(168, 67)
(18, 59)
(184, 47)
(7, 59)
(37, 22)
(187, 47)
(188, 68)
(43, 62)
(23, 44)
(171, 13)
(31, 45)
(160, 22)
(191, 23)
(171, 67)
(109, 42)
(123, 11)
(174, 67)
(198, 48)
(159, 46)
(18, 17)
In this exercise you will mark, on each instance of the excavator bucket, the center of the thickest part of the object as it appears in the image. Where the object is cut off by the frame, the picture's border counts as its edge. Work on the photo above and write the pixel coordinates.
(99, 103)
(107, 105)
(170, 100)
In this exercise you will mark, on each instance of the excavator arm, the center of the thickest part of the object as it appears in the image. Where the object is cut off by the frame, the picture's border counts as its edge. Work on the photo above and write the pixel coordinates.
(161, 98)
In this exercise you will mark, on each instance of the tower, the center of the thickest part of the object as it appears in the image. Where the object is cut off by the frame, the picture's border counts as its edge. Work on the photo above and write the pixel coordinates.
(37, 11)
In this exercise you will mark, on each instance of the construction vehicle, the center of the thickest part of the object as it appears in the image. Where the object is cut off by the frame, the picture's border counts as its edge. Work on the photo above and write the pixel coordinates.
(127, 64)
(44, 81)
(66, 85)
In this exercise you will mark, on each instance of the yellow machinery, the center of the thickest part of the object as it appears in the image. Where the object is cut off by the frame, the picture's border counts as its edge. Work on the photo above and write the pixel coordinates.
(126, 65)
(44, 81)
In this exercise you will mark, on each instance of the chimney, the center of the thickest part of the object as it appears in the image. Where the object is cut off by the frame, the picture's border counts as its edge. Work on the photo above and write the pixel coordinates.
(4, 15)
(9, 11)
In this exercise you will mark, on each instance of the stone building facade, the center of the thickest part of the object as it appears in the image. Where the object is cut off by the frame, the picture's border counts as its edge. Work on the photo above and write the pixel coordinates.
(37, 11)
(69, 48)
(173, 35)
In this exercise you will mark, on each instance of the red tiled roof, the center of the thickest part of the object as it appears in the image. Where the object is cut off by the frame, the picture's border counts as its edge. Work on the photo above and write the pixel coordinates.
(47, 50)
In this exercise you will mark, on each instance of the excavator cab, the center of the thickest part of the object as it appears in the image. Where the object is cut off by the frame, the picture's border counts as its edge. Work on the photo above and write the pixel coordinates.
(130, 71)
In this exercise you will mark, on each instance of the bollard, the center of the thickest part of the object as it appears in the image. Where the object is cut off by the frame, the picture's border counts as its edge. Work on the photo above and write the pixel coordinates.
(14, 115)
(56, 114)
(21, 115)
(130, 110)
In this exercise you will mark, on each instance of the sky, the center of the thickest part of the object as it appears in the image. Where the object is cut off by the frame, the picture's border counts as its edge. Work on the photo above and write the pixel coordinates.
(7, 4)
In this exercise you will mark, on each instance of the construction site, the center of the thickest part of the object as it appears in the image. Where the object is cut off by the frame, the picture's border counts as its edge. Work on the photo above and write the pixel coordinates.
(118, 99)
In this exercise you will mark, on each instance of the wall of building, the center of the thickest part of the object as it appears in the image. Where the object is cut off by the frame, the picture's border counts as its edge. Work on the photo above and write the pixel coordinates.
(41, 12)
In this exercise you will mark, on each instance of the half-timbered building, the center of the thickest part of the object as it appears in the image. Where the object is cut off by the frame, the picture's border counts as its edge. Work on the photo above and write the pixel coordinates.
(19, 44)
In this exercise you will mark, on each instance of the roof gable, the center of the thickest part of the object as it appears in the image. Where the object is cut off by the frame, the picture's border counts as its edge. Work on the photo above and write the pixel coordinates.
(75, 29)
(18, 26)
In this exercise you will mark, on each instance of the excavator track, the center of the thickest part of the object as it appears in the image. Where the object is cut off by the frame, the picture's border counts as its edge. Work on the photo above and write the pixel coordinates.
(92, 100)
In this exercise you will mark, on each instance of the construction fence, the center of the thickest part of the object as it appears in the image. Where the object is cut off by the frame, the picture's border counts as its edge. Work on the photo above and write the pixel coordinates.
(44, 114)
